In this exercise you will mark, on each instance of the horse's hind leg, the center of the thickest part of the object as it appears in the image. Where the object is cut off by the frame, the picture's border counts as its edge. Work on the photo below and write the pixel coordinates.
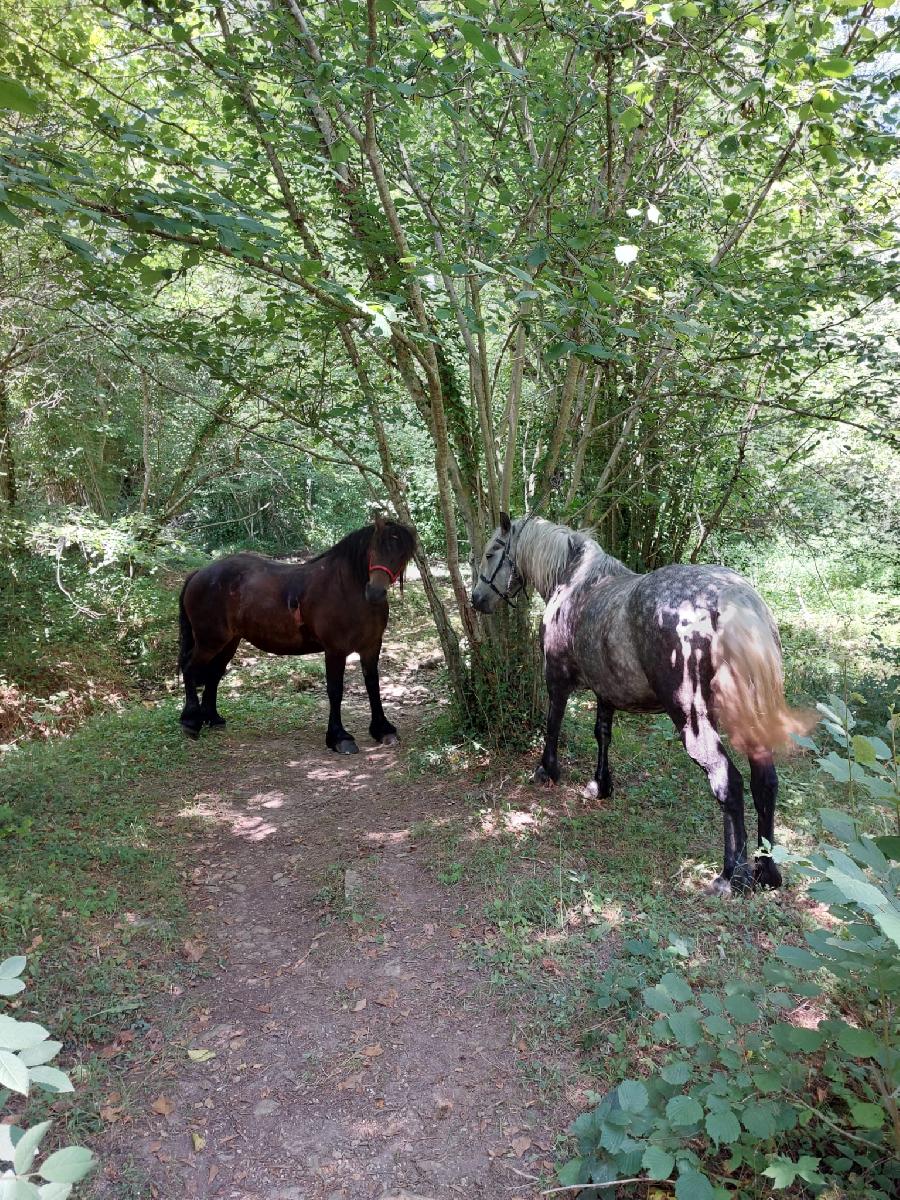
(601, 786)
(213, 672)
(703, 744)
(380, 727)
(764, 788)
(191, 717)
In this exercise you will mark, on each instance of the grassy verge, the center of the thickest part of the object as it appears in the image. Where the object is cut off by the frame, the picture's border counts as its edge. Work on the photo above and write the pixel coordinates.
(91, 888)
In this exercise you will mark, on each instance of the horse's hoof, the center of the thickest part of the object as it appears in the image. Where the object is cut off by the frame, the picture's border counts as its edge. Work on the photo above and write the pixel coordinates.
(390, 739)
(766, 874)
(347, 746)
(542, 776)
(720, 886)
(191, 731)
(215, 722)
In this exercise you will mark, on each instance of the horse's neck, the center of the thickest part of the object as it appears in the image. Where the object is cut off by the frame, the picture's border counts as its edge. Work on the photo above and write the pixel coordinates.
(590, 562)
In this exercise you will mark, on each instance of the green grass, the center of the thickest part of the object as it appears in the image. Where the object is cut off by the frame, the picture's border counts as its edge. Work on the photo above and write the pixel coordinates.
(90, 888)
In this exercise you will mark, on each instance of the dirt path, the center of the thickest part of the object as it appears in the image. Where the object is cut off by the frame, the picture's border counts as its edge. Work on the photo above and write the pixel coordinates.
(355, 1057)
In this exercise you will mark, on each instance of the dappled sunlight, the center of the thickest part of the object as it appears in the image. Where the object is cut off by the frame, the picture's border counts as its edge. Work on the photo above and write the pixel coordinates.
(517, 822)
(211, 808)
(393, 837)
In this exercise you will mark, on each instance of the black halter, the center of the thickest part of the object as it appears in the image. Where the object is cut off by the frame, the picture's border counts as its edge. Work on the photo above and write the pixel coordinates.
(509, 597)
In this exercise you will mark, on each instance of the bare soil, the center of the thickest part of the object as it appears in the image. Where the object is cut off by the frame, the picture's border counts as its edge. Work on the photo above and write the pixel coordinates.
(337, 1041)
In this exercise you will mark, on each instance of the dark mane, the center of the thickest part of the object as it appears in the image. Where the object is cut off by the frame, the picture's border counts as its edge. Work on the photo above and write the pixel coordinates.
(354, 549)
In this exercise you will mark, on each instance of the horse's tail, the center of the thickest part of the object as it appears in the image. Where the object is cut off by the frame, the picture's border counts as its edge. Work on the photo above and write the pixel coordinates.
(748, 684)
(185, 629)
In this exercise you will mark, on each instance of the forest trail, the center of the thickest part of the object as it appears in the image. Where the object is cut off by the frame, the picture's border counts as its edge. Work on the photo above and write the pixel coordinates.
(356, 1057)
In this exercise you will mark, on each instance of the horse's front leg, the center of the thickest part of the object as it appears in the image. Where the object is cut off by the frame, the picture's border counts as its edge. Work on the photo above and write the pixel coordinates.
(601, 786)
(337, 738)
(381, 729)
(548, 768)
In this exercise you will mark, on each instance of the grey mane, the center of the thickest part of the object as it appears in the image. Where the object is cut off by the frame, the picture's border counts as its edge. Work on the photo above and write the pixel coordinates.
(545, 552)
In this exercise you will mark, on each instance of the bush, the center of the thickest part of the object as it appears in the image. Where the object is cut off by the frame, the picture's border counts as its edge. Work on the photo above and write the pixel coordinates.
(26, 1051)
(746, 1099)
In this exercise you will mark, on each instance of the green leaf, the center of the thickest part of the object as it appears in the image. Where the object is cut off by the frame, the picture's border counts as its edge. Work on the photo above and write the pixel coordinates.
(13, 1073)
(677, 987)
(538, 256)
(11, 987)
(572, 1173)
(838, 768)
(18, 1035)
(677, 1072)
(44, 1052)
(795, 1037)
(868, 1116)
(889, 845)
(11, 967)
(68, 1165)
(685, 1027)
(782, 1172)
(657, 1163)
(658, 999)
(742, 1009)
(16, 96)
(861, 1043)
(798, 957)
(863, 750)
(835, 67)
(693, 1185)
(630, 118)
(684, 1110)
(51, 1079)
(27, 1146)
(55, 1191)
(758, 1118)
(632, 1095)
(723, 1126)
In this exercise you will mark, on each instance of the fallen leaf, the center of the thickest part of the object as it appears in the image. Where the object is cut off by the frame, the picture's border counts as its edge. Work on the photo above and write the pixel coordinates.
(359, 1005)
(163, 1106)
(550, 965)
(199, 1142)
(351, 1083)
(193, 950)
(213, 1172)
(387, 999)
(444, 1108)
(110, 1113)
(200, 1054)
(373, 1050)
(520, 1145)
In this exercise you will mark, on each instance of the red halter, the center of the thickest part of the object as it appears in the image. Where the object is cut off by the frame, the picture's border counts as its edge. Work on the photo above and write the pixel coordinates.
(393, 576)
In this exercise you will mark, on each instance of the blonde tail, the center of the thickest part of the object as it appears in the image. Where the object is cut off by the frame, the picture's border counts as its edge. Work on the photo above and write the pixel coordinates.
(748, 684)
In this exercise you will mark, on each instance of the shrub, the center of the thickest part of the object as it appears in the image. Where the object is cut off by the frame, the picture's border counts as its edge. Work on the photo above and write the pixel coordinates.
(26, 1052)
(745, 1099)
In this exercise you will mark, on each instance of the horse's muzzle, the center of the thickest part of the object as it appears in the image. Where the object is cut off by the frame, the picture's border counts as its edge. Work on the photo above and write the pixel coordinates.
(375, 594)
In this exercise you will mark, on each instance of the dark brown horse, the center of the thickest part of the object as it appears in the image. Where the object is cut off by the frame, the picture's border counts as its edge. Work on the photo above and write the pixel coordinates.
(336, 603)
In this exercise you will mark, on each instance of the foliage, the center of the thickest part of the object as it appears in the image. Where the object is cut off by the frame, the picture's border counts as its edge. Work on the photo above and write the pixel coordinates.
(26, 1050)
(625, 261)
(805, 1105)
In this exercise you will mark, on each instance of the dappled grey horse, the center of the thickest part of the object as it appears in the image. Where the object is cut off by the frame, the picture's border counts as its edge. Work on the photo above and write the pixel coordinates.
(695, 642)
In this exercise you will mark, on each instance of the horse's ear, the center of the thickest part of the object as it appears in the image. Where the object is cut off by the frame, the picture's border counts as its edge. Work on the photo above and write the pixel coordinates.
(505, 522)
(379, 522)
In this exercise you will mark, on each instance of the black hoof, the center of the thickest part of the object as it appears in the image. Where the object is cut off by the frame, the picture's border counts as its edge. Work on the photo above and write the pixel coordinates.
(543, 776)
(390, 739)
(215, 721)
(347, 746)
(766, 874)
(191, 731)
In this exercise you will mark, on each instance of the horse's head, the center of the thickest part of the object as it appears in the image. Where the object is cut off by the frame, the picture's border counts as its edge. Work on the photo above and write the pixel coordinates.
(498, 578)
(391, 548)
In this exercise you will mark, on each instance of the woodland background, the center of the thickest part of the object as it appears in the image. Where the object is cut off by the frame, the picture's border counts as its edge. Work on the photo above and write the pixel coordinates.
(266, 267)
